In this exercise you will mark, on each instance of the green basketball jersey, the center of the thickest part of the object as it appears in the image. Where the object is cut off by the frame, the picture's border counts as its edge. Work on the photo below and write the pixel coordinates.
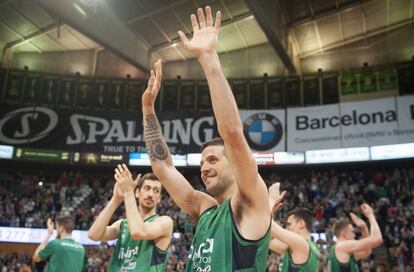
(64, 255)
(218, 246)
(336, 266)
(136, 255)
(312, 264)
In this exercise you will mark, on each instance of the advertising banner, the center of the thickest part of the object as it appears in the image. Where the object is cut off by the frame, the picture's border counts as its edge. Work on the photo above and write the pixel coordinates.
(101, 132)
(264, 130)
(353, 124)
(313, 128)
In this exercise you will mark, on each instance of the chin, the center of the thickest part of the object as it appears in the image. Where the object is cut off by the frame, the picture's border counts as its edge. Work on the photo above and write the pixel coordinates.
(209, 187)
(148, 206)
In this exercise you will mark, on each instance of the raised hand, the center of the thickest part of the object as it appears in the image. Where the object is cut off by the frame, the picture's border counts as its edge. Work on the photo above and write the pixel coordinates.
(154, 85)
(50, 226)
(367, 210)
(117, 194)
(275, 197)
(204, 38)
(357, 221)
(124, 179)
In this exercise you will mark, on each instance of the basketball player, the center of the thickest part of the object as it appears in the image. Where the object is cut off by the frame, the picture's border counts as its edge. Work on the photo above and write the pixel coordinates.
(344, 254)
(294, 243)
(63, 254)
(233, 229)
(144, 237)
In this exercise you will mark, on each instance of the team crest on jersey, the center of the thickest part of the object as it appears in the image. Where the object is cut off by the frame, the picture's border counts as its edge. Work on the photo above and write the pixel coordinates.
(201, 256)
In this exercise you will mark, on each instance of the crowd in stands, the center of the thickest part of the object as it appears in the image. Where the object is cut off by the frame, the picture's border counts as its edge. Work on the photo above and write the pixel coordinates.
(330, 194)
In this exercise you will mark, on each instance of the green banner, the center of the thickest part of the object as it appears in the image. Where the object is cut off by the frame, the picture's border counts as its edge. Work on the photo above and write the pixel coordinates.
(387, 79)
(42, 154)
(368, 81)
(349, 83)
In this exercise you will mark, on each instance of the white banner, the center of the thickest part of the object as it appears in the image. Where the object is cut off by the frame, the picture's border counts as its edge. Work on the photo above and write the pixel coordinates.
(405, 131)
(368, 123)
(313, 128)
(354, 124)
(264, 130)
(289, 158)
(6, 152)
(387, 152)
(337, 155)
(36, 236)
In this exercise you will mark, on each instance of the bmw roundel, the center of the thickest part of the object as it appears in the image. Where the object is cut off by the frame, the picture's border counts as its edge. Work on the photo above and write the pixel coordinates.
(263, 131)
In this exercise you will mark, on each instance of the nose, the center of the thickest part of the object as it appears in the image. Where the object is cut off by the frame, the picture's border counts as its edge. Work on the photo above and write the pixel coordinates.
(204, 168)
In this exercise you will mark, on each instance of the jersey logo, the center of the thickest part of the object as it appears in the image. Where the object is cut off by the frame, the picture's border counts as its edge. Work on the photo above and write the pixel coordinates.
(200, 257)
(128, 253)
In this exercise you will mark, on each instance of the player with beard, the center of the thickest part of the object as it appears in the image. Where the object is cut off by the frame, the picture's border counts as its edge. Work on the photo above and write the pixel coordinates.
(344, 254)
(294, 243)
(144, 236)
(233, 220)
(63, 254)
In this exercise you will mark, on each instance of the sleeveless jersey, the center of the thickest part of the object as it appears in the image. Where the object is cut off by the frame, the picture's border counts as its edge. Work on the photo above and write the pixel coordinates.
(136, 255)
(312, 264)
(218, 245)
(336, 266)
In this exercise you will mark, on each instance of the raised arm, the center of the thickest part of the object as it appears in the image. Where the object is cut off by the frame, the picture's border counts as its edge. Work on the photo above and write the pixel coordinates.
(373, 240)
(160, 230)
(50, 226)
(275, 203)
(193, 202)
(297, 245)
(251, 188)
(283, 239)
(100, 231)
(364, 233)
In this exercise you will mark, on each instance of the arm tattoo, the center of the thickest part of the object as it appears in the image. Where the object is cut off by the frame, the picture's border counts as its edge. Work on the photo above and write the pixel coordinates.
(154, 140)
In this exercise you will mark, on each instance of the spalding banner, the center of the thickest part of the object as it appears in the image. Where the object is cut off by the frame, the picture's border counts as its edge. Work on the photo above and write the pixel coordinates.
(108, 132)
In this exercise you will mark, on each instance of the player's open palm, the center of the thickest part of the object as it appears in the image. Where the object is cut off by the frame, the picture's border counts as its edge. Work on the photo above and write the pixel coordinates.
(204, 38)
(275, 197)
(357, 221)
(367, 210)
(154, 85)
(124, 178)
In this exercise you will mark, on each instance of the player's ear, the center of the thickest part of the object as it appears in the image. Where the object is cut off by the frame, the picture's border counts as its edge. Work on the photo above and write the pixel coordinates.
(302, 224)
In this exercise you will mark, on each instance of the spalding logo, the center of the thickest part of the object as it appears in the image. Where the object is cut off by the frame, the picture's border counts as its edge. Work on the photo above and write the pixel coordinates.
(22, 132)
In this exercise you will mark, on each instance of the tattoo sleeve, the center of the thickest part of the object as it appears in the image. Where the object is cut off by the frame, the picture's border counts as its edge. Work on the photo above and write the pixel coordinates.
(154, 140)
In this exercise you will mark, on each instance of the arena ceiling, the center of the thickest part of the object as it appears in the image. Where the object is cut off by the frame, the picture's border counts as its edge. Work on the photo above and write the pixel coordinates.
(294, 28)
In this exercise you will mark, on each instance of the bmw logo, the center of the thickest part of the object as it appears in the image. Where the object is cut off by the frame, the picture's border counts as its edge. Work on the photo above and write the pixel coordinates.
(263, 131)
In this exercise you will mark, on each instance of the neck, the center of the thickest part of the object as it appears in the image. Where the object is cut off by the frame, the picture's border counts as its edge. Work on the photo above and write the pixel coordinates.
(226, 194)
(340, 240)
(305, 235)
(145, 212)
(65, 235)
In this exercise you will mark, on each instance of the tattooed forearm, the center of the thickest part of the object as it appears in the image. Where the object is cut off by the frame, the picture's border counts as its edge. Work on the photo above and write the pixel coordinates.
(154, 140)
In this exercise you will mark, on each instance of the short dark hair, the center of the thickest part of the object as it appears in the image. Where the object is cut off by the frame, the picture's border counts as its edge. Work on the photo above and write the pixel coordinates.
(66, 222)
(340, 225)
(215, 141)
(303, 214)
(149, 176)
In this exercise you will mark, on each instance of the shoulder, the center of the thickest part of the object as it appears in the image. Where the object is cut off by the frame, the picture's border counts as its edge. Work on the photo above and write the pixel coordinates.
(164, 219)
(55, 242)
(165, 223)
